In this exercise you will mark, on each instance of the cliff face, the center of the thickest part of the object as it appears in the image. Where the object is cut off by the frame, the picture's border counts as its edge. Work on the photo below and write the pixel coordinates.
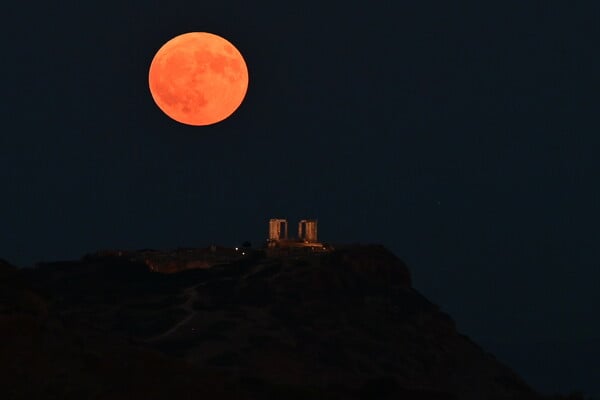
(346, 323)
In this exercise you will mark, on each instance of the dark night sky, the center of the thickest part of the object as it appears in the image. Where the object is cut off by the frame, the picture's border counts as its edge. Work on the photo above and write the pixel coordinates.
(461, 137)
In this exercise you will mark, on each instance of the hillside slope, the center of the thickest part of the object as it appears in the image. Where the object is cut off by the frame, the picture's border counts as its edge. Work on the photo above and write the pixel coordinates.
(347, 323)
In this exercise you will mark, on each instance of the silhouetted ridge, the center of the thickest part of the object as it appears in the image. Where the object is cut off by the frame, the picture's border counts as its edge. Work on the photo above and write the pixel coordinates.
(338, 324)
(6, 269)
(374, 265)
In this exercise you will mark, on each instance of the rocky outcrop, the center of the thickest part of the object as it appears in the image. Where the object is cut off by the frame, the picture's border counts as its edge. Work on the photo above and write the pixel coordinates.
(345, 324)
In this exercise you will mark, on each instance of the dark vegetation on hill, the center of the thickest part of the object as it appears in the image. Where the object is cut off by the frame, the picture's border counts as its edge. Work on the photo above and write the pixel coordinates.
(346, 324)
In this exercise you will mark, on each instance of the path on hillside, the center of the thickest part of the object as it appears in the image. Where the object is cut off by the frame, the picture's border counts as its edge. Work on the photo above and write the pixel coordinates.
(192, 295)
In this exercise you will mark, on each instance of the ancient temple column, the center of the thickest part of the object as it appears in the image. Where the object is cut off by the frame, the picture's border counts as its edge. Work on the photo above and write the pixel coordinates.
(275, 231)
(307, 230)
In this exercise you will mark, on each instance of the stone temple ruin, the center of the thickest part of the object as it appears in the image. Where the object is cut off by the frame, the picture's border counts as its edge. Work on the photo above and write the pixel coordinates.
(306, 239)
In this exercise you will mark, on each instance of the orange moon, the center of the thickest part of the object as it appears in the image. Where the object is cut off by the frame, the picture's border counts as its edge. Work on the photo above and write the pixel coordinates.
(198, 78)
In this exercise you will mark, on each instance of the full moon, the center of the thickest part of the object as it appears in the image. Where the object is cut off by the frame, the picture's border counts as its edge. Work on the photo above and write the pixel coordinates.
(198, 78)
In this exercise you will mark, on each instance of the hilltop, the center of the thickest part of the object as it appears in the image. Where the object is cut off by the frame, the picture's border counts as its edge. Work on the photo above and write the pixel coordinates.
(341, 324)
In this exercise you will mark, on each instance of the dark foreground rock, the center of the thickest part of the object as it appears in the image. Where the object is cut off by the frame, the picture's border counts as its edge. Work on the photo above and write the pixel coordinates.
(345, 324)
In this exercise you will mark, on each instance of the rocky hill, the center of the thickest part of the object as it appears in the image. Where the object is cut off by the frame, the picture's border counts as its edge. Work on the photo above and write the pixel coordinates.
(345, 324)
